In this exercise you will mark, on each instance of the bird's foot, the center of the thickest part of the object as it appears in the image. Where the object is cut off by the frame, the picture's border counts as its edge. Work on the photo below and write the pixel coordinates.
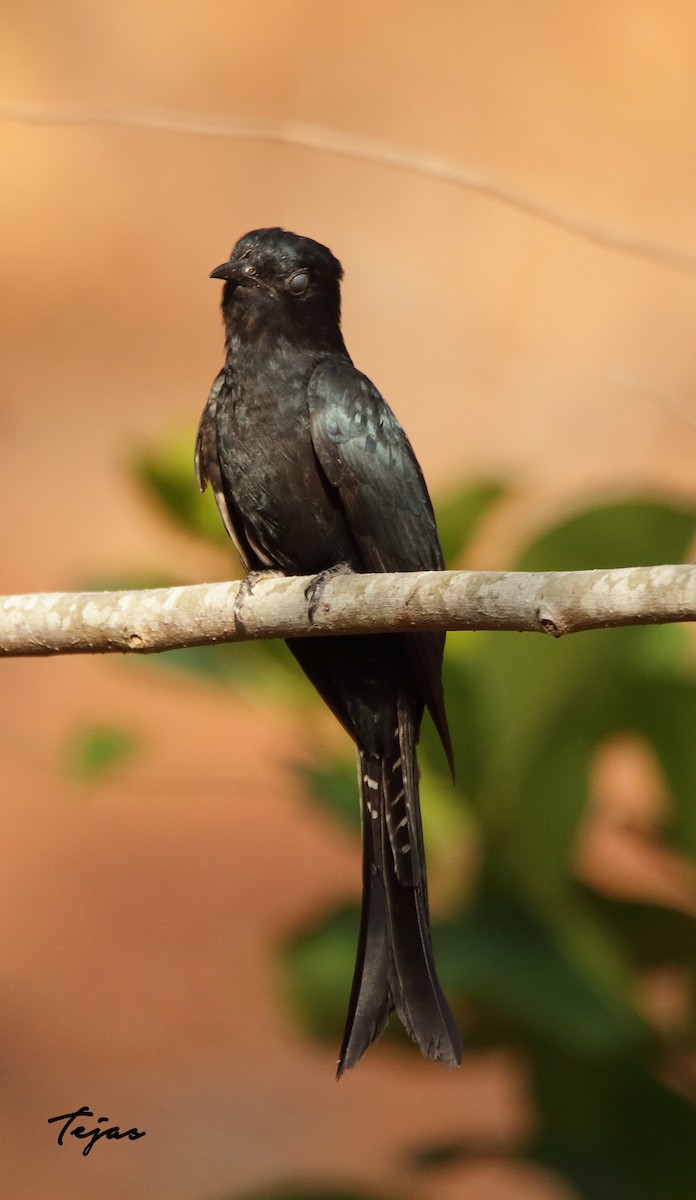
(245, 590)
(314, 589)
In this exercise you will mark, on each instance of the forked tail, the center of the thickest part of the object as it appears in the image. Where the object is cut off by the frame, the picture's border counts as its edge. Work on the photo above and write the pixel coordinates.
(395, 968)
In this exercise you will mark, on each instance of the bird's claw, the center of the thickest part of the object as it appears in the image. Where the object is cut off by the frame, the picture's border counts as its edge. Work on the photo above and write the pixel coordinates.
(245, 590)
(315, 588)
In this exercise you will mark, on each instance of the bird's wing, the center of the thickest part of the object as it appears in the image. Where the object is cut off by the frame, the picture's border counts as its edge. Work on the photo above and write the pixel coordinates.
(368, 459)
(207, 465)
(206, 438)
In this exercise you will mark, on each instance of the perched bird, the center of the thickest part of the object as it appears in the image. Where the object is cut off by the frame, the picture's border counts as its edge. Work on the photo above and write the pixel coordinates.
(311, 471)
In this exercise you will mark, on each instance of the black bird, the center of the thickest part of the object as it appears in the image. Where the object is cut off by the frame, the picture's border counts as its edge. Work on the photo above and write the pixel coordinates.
(311, 470)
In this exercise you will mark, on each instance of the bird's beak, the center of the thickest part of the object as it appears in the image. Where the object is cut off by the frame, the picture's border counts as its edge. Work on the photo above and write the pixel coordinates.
(225, 271)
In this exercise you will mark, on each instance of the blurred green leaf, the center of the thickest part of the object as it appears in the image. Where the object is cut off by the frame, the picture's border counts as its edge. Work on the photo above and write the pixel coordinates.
(309, 1191)
(166, 474)
(459, 513)
(540, 961)
(265, 668)
(432, 1156)
(333, 785)
(542, 707)
(620, 533)
(317, 970)
(97, 751)
(664, 711)
(503, 957)
(653, 936)
(613, 1130)
(126, 581)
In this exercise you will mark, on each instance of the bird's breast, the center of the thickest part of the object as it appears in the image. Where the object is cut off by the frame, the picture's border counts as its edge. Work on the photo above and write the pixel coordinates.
(272, 473)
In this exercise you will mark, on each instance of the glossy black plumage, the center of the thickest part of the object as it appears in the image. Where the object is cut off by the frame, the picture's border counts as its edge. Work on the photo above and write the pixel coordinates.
(311, 469)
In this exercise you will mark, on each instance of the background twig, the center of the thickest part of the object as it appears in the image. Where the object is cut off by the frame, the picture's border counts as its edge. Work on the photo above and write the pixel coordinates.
(363, 149)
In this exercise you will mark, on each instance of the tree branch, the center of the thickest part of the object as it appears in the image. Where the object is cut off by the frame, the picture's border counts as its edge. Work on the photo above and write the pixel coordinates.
(555, 603)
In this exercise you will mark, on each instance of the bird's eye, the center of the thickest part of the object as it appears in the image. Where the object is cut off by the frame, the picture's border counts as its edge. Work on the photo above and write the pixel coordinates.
(298, 283)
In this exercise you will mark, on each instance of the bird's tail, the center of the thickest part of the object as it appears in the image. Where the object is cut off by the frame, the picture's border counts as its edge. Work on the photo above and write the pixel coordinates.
(395, 968)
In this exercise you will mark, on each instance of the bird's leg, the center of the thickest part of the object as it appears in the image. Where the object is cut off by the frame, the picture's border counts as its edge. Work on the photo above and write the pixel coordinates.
(245, 590)
(314, 589)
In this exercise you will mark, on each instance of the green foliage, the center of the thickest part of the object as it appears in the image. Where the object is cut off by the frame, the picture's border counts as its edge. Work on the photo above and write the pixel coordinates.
(317, 970)
(516, 966)
(309, 1191)
(331, 785)
(618, 1131)
(459, 514)
(98, 751)
(165, 473)
(621, 533)
(266, 667)
(531, 957)
(535, 958)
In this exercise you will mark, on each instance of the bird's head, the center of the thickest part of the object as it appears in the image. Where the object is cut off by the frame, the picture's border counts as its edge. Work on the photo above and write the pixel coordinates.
(273, 277)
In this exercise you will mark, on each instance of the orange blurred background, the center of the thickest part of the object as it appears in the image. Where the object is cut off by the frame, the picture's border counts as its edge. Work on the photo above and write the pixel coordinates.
(138, 923)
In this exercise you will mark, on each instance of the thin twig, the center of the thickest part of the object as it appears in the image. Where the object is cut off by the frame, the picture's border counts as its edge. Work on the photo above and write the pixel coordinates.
(666, 400)
(364, 149)
(555, 603)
